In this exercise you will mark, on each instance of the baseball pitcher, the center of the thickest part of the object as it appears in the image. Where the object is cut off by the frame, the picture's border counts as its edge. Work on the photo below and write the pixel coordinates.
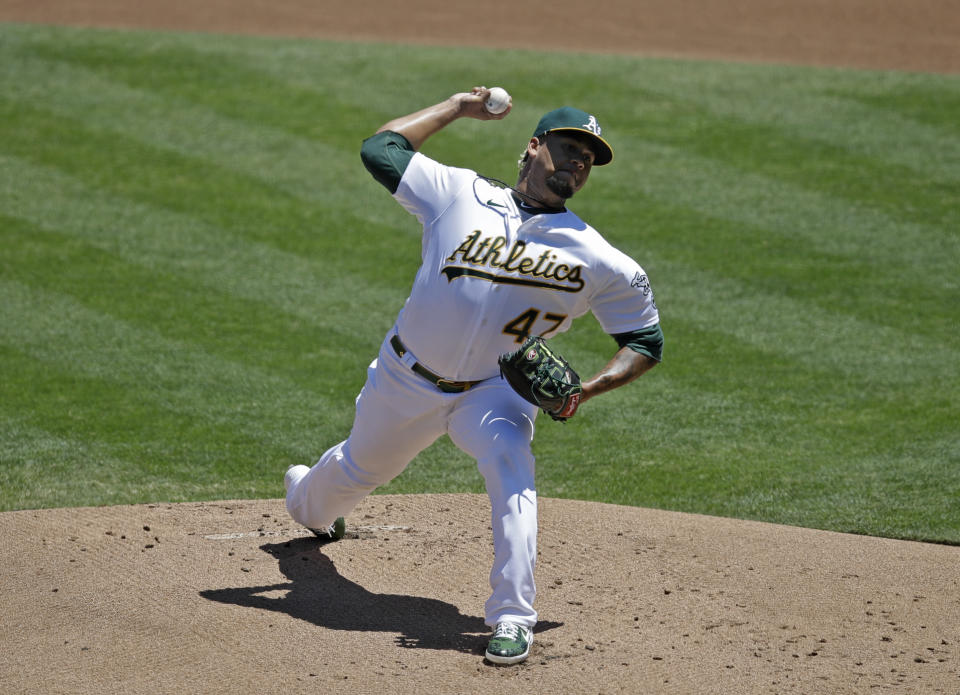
(503, 268)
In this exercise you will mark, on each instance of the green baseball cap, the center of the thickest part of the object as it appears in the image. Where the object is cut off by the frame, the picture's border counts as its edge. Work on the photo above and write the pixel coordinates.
(567, 118)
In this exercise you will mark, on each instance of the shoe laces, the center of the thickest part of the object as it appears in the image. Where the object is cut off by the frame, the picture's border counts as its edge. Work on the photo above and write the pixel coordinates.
(508, 630)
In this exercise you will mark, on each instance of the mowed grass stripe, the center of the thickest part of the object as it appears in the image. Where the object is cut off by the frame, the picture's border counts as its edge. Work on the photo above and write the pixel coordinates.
(719, 189)
(174, 376)
(180, 68)
(899, 120)
(809, 104)
(308, 147)
(707, 406)
(162, 303)
(907, 195)
(698, 262)
(248, 202)
(805, 103)
(840, 257)
(286, 163)
(94, 442)
(44, 470)
(784, 442)
(190, 184)
(738, 414)
(740, 367)
(822, 465)
(344, 305)
(786, 193)
(768, 263)
(245, 331)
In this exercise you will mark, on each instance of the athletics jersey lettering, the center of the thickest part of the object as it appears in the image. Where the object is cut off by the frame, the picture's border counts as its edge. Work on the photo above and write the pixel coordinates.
(490, 273)
(492, 252)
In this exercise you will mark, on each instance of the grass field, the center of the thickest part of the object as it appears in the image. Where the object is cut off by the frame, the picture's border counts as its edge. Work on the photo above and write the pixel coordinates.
(195, 270)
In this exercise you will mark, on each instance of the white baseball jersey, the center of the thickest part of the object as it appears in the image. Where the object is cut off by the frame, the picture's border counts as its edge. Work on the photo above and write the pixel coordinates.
(494, 273)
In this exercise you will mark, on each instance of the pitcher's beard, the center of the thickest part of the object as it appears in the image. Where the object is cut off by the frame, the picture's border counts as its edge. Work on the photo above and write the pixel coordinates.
(560, 186)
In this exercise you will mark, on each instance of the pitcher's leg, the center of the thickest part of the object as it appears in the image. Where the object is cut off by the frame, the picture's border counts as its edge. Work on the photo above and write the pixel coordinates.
(334, 486)
(395, 419)
(495, 427)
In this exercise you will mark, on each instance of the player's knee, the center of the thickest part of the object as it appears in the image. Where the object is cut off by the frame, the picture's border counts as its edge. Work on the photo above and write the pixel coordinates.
(503, 441)
(372, 467)
(507, 456)
(508, 431)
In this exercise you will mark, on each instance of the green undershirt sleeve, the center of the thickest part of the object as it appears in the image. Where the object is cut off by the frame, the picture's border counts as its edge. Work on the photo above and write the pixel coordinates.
(386, 156)
(646, 341)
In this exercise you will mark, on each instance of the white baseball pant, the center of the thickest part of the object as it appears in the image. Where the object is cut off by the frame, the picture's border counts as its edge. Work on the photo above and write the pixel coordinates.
(398, 414)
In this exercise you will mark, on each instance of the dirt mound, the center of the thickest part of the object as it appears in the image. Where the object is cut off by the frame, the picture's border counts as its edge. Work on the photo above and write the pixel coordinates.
(234, 597)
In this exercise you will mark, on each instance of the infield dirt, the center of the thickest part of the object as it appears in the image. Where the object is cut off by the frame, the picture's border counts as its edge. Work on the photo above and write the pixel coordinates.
(232, 597)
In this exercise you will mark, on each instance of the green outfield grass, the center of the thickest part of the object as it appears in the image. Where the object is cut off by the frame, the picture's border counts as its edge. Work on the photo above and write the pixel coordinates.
(195, 270)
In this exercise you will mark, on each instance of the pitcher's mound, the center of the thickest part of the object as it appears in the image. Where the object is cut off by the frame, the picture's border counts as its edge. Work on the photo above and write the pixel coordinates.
(232, 597)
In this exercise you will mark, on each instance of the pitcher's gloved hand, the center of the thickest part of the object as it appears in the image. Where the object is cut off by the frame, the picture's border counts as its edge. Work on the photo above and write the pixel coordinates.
(542, 377)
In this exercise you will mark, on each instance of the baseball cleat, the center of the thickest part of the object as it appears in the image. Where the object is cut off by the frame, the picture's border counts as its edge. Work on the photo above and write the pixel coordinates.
(333, 532)
(510, 644)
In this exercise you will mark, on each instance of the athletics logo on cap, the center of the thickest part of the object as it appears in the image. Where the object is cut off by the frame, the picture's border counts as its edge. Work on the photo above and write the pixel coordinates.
(592, 125)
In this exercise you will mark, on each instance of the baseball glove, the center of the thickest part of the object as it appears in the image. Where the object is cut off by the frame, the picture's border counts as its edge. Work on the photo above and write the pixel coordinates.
(543, 378)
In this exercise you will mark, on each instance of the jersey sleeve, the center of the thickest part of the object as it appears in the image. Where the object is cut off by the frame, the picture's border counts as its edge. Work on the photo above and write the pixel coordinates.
(386, 156)
(625, 303)
(424, 187)
(646, 341)
(428, 188)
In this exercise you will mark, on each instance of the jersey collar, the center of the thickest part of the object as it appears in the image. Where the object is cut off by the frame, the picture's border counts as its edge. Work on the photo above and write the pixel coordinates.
(531, 210)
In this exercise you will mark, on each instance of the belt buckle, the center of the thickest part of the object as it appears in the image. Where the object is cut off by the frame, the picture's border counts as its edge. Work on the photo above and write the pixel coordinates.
(452, 386)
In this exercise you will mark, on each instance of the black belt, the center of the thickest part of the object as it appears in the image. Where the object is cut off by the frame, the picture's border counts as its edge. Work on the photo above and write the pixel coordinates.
(444, 385)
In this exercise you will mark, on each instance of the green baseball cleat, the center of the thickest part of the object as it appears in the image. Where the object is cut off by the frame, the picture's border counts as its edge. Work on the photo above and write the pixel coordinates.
(510, 644)
(333, 532)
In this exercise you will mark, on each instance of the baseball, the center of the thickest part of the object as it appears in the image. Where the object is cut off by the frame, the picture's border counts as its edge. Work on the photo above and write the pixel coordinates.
(498, 101)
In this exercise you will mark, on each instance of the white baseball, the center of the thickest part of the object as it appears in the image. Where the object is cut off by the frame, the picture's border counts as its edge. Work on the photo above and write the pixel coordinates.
(498, 101)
